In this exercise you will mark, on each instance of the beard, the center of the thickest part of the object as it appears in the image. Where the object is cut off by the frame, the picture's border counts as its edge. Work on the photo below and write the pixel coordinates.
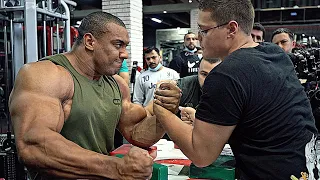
(191, 47)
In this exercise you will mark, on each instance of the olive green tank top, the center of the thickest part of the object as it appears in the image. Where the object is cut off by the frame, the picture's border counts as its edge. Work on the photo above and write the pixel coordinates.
(95, 110)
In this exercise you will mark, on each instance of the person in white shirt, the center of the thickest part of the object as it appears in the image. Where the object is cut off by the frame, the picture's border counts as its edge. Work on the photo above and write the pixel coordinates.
(147, 81)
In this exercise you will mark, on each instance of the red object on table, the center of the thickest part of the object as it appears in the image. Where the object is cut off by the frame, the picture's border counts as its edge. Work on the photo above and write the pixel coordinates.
(185, 162)
(124, 149)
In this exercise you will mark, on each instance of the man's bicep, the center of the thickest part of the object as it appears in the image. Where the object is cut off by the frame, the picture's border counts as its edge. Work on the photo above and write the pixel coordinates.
(35, 101)
(131, 115)
(29, 110)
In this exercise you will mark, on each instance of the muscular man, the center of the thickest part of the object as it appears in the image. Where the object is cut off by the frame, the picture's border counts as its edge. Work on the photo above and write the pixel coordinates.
(187, 62)
(284, 38)
(253, 100)
(258, 32)
(147, 81)
(65, 109)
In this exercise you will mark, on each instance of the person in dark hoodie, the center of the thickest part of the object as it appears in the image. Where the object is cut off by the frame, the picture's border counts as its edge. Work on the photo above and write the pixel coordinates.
(187, 62)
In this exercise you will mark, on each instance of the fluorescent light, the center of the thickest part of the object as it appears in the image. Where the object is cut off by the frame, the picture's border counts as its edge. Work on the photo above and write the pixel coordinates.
(156, 20)
(293, 13)
(164, 11)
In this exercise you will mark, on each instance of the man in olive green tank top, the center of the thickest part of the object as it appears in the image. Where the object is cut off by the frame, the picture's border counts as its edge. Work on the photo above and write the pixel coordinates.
(65, 109)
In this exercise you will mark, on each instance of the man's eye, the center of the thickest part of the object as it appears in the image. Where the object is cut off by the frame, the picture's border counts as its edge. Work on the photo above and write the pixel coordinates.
(117, 45)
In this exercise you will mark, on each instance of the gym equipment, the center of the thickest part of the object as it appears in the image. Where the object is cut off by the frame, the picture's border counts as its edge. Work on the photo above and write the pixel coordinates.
(26, 38)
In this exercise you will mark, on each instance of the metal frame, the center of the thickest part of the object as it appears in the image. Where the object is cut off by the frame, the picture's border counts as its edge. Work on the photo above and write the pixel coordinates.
(27, 42)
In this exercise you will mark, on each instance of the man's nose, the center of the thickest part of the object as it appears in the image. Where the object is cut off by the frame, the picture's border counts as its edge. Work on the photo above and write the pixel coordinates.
(124, 54)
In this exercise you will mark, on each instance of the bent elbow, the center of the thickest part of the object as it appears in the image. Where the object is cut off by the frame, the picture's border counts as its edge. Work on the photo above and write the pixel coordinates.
(25, 155)
(201, 163)
(204, 161)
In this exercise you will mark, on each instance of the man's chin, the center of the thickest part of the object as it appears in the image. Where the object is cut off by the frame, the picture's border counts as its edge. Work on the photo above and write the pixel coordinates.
(191, 47)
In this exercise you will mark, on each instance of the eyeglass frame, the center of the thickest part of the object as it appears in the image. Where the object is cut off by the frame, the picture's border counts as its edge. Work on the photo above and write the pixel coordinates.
(204, 32)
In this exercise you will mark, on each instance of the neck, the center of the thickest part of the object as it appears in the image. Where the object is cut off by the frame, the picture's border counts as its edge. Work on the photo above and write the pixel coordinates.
(158, 68)
(187, 49)
(241, 42)
(82, 62)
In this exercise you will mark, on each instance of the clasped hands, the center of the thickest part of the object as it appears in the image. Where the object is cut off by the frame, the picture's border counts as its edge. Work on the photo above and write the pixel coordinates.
(166, 99)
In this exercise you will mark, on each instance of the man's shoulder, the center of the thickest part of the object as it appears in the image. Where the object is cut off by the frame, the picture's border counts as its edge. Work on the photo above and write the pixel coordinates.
(188, 81)
(167, 69)
(47, 77)
(146, 72)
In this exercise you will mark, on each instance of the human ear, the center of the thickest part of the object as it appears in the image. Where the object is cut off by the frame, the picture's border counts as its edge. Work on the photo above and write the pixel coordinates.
(89, 41)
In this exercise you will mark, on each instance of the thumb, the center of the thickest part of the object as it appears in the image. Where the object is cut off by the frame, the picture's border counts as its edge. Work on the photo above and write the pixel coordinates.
(181, 108)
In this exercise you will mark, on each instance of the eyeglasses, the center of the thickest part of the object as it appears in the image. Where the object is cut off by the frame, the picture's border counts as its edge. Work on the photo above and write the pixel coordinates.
(205, 32)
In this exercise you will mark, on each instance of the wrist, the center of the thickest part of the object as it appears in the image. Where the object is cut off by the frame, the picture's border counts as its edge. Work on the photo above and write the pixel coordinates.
(111, 167)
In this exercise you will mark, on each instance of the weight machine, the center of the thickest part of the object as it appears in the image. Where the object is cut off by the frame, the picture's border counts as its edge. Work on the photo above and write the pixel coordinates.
(29, 30)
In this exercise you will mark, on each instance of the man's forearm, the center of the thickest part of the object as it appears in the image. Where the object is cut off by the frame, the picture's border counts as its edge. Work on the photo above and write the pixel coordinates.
(53, 156)
(147, 132)
(183, 137)
(191, 143)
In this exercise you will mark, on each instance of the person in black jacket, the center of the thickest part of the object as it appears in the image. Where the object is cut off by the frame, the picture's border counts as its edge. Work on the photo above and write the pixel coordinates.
(191, 89)
(187, 62)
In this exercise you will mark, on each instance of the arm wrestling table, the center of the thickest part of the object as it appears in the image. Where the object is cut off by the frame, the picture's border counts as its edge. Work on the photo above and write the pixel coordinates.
(172, 164)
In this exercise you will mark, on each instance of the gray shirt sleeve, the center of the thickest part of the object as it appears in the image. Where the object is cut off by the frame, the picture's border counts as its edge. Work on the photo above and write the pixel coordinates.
(138, 92)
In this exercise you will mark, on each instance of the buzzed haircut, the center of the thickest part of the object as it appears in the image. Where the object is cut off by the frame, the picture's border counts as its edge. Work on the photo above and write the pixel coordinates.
(283, 30)
(95, 23)
(211, 60)
(259, 27)
(184, 37)
(223, 11)
(150, 49)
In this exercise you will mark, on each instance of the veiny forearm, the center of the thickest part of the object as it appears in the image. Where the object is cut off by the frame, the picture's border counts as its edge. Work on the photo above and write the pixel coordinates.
(53, 155)
(147, 132)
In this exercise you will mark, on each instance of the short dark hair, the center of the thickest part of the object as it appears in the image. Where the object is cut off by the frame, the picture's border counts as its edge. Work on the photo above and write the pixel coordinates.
(283, 30)
(259, 27)
(223, 11)
(150, 49)
(211, 60)
(95, 23)
(184, 37)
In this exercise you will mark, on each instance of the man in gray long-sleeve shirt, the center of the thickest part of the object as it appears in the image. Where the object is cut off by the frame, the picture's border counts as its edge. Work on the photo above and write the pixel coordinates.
(147, 81)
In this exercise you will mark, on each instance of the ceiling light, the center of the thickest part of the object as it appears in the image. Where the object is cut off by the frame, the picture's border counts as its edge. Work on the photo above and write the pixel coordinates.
(156, 20)
(164, 11)
(190, 1)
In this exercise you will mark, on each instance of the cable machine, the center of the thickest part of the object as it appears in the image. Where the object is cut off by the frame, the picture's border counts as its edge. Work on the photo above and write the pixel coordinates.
(29, 30)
